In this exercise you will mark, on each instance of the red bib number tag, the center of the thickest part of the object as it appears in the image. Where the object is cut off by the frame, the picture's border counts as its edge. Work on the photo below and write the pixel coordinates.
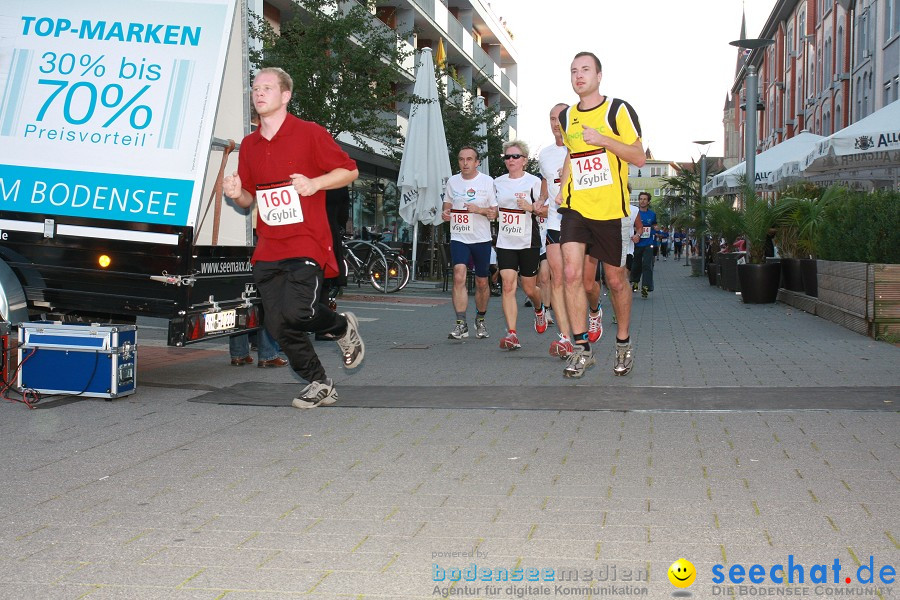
(591, 171)
(513, 223)
(278, 204)
(461, 222)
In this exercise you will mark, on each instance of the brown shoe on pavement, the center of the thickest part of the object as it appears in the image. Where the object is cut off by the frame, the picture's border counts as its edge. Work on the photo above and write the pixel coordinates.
(240, 362)
(275, 362)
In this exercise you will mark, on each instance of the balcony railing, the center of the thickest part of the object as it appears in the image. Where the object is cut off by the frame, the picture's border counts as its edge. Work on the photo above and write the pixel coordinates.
(427, 6)
(455, 30)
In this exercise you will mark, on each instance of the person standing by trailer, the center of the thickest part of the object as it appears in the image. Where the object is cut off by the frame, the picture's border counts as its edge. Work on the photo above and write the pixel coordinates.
(284, 167)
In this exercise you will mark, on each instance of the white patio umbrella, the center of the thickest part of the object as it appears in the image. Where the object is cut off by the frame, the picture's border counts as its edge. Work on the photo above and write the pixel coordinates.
(767, 163)
(425, 166)
(481, 131)
(868, 149)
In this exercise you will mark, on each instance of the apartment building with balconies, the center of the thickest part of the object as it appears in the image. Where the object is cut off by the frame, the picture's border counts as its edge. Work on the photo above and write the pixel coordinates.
(832, 63)
(479, 53)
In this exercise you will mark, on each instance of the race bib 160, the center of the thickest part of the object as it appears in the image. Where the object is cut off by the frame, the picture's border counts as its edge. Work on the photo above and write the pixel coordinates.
(278, 204)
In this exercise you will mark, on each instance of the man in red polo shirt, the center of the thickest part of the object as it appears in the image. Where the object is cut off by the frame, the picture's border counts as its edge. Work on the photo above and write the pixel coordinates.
(285, 166)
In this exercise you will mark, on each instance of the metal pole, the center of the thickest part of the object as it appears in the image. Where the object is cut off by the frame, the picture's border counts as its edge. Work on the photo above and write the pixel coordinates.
(415, 249)
(750, 126)
(702, 215)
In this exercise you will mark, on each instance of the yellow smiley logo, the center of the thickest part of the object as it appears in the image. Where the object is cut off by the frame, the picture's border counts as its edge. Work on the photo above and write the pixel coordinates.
(682, 573)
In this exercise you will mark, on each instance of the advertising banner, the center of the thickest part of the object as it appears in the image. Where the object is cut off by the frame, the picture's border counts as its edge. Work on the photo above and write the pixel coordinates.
(107, 107)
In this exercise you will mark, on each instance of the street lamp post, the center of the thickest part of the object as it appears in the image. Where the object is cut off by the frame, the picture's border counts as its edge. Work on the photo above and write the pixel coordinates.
(704, 145)
(752, 85)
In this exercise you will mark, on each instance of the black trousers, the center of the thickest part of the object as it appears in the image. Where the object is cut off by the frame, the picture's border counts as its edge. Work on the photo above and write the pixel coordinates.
(291, 292)
(642, 267)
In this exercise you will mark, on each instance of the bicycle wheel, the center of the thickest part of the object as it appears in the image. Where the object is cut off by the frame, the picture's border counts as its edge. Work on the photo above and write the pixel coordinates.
(405, 272)
(388, 280)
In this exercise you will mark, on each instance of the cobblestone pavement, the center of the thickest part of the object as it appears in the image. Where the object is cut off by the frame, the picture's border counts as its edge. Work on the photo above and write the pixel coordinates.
(153, 496)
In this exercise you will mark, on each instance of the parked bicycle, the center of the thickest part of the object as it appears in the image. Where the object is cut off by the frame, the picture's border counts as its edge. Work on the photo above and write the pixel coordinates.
(377, 264)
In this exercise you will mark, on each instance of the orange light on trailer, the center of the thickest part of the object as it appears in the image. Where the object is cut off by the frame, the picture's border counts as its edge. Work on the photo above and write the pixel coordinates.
(104, 261)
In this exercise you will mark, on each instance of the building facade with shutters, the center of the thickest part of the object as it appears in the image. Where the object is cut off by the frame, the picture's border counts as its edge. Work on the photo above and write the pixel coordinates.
(832, 63)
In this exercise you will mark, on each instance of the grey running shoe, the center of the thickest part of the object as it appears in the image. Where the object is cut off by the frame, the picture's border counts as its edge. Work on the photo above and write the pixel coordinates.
(634, 286)
(578, 362)
(480, 329)
(316, 394)
(460, 331)
(624, 359)
(351, 344)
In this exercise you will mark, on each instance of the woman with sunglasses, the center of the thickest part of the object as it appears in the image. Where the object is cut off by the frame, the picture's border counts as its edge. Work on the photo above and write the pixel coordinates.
(518, 240)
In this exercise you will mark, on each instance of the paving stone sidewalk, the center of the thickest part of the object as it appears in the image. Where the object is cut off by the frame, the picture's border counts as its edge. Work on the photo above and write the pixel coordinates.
(156, 497)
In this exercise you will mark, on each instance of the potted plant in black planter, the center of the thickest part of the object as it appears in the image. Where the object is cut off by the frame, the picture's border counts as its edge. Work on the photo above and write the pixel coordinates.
(789, 250)
(791, 208)
(810, 216)
(759, 279)
(723, 223)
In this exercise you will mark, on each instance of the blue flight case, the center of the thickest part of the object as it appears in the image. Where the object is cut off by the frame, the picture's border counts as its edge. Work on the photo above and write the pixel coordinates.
(99, 361)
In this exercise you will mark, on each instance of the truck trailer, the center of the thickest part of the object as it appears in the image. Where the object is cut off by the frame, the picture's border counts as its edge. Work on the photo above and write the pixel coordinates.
(117, 125)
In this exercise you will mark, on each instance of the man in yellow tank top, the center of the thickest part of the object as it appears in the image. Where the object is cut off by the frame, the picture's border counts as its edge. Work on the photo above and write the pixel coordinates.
(603, 136)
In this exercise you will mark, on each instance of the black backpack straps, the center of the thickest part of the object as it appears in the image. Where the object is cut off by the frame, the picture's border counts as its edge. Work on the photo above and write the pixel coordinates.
(614, 107)
(564, 118)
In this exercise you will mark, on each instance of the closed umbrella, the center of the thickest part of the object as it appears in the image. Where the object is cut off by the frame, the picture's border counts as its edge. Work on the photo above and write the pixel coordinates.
(425, 166)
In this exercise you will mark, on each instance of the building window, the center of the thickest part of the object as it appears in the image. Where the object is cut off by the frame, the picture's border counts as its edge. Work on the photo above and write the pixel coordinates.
(891, 18)
(819, 74)
(839, 51)
(828, 5)
(862, 48)
(789, 43)
(829, 73)
(867, 86)
(858, 98)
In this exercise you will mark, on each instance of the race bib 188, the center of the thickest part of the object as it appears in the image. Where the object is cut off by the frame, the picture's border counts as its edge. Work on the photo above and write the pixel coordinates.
(278, 204)
(461, 222)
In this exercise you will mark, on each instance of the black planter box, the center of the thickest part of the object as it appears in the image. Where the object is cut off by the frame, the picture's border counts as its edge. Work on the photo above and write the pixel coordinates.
(759, 283)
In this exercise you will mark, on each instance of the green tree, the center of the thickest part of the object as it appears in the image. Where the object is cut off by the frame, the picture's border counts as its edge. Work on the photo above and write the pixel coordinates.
(345, 66)
(683, 197)
(461, 122)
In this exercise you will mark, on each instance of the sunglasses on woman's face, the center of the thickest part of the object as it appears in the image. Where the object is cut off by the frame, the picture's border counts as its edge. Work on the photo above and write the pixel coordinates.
(512, 156)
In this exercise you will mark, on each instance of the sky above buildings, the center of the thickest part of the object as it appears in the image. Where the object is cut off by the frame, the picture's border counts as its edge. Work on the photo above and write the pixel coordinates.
(670, 60)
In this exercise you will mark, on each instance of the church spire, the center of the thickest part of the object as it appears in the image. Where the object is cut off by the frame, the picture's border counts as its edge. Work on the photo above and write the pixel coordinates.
(742, 54)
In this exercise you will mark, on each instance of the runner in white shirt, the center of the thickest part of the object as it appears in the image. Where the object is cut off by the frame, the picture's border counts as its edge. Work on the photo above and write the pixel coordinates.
(470, 205)
(519, 239)
(635, 216)
(550, 161)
